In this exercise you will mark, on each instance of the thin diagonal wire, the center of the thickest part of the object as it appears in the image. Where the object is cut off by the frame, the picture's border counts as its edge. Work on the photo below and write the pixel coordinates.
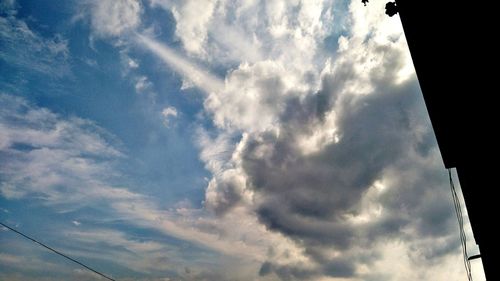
(56, 251)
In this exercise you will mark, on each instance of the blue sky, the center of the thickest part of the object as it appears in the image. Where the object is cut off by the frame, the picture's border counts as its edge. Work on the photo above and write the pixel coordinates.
(218, 140)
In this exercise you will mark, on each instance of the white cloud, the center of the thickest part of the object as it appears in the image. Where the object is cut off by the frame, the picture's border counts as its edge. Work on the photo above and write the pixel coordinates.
(26, 263)
(275, 45)
(189, 70)
(217, 150)
(112, 18)
(247, 31)
(25, 48)
(168, 113)
(8, 6)
(132, 63)
(65, 160)
(142, 84)
(192, 19)
(252, 97)
(147, 255)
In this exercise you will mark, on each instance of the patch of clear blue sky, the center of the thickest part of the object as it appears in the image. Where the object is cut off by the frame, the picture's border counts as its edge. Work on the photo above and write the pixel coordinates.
(339, 26)
(162, 162)
(53, 225)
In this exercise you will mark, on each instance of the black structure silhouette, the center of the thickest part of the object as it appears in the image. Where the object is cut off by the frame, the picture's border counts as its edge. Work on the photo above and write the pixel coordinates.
(391, 9)
(451, 44)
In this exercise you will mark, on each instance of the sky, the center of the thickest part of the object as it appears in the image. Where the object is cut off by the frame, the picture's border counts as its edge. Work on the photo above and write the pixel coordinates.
(218, 140)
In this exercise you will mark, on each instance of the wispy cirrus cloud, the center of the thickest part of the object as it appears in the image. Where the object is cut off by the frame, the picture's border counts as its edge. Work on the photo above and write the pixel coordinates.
(196, 74)
(68, 164)
(25, 48)
(46, 155)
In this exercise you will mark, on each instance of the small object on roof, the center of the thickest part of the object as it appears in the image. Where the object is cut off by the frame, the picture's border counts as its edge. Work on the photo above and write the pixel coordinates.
(391, 9)
(364, 1)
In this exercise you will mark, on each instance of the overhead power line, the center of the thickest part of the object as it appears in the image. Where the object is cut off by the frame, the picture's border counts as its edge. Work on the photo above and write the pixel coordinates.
(463, 237)
(57, 252)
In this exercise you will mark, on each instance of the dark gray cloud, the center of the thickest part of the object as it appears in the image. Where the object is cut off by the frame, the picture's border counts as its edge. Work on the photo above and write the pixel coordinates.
(309, 196)
(286, 272)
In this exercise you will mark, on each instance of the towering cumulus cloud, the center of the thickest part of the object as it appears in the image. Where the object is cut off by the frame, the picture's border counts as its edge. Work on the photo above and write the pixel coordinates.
(336, 152)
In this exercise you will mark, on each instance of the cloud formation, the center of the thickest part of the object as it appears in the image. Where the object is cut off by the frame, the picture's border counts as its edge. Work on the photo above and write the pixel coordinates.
(168, 113)
(69, 165)
(324, 165)
(196, 75)
(340, 156)
(61, 160)
(112, 18)
(25, 48)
